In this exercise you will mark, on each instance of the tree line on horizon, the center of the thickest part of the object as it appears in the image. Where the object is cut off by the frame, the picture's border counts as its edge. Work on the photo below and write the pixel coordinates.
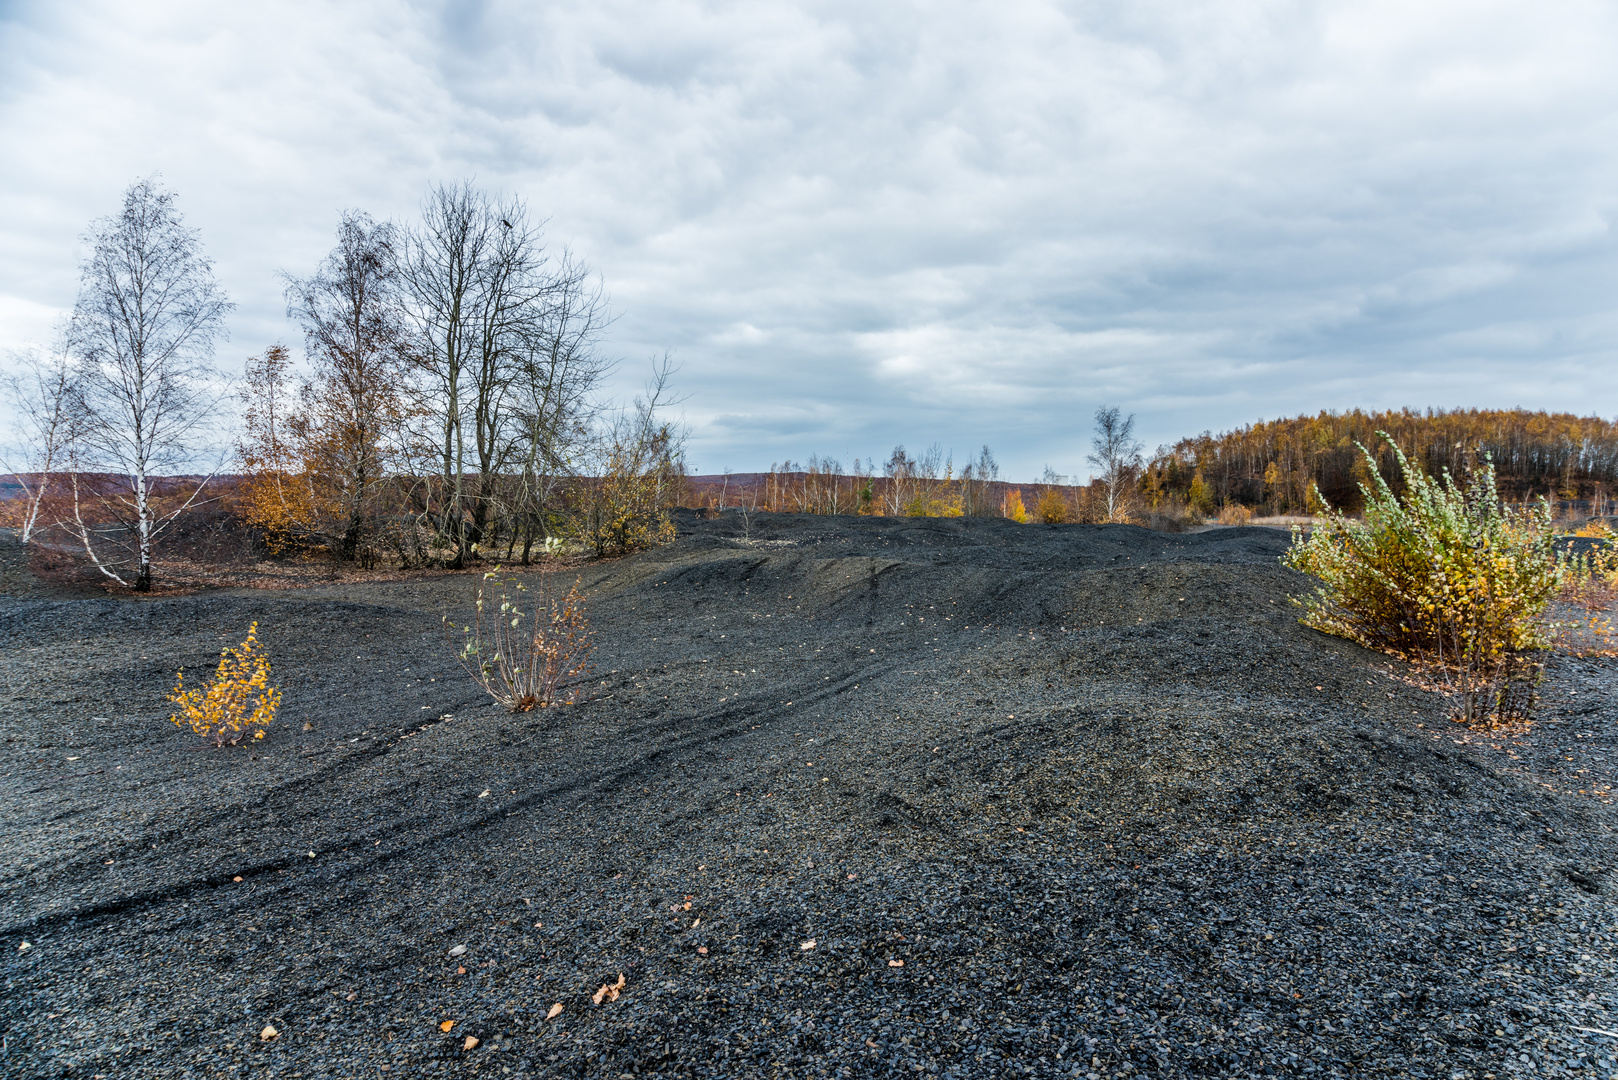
(450, 406)
(1293, 465)
(1298, 465)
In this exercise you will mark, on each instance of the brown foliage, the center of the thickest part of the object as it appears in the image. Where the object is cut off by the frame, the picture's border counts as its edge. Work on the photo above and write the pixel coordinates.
(1277, 464)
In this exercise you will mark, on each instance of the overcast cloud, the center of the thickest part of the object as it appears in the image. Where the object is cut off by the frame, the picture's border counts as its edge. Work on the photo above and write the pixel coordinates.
(857, 224)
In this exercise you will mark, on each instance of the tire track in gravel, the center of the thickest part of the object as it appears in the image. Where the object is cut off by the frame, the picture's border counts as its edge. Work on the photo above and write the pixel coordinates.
(309, 787)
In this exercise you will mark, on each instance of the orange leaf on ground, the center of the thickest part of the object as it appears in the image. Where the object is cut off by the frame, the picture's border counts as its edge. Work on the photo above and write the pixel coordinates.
(896, 963)
(702, 949)
(446, 1025)
(556, 1010)
(608, 992)
(470, 1043)
(269, 1033)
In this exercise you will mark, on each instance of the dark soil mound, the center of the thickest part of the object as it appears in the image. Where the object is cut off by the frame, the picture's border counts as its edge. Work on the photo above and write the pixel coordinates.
(849, 797)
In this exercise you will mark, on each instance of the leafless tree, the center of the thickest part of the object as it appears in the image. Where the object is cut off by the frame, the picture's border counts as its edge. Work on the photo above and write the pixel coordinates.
(479, 288)
(353, 321)
(901, 473)
(560, 368)
(142, 336)
(41, 397)
(977, 486)
(634, 472)
(1117, 454)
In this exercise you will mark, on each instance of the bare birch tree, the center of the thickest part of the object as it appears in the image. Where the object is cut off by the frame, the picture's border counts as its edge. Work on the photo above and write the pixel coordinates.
(1116, 453)
(142, 334)
(977, 485)
(353, 322)
(42, 402)
(634, 474)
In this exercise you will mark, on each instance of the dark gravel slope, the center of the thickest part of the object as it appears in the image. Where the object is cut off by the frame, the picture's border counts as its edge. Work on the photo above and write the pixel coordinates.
(851, 797)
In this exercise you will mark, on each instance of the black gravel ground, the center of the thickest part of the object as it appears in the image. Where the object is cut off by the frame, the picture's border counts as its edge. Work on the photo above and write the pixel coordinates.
(850, 797)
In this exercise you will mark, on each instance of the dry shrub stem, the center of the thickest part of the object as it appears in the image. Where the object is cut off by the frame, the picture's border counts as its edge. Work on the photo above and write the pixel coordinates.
(524, 652)
(1448, 578)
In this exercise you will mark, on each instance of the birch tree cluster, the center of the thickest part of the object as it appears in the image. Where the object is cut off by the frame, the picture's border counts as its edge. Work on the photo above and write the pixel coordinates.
(447, 406)
(453, 404)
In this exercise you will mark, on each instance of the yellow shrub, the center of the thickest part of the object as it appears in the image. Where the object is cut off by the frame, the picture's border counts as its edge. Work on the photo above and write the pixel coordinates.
(1051, 509)
(1235, 514)
(238, 700)
(1014, 508)
(1590, 592)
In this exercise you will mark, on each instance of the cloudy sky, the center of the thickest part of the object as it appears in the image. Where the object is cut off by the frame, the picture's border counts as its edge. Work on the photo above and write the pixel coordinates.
(861, 224)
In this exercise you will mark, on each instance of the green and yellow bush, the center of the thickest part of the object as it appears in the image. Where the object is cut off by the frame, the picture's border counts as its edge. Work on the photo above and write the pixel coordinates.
(1445, 576)
(239, 700)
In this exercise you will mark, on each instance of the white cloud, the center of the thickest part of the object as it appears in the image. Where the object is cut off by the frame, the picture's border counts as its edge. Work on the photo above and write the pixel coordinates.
(860, 225)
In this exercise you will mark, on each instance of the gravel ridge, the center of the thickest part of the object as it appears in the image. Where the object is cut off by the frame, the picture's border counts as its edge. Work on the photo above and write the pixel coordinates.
(847, 797)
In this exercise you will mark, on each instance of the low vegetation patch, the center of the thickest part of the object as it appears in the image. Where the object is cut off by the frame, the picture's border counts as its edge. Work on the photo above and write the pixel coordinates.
(1447, 577)
(526, 650)
(238, 700)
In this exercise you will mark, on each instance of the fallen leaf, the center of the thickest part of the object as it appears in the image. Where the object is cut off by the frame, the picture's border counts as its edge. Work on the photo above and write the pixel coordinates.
(24, 947)
(459, 950)
(806, 946)
(608, 992)
(470, 1043)
(896, 963)
(460, 971)
(556, 1010)
(238, 877)
(446, 1025)
(871, 1044)
(485, 794)
(308, 727)
(702, 950)
(269, 1033)
(351, 997)
(686, 906)
(696, 923)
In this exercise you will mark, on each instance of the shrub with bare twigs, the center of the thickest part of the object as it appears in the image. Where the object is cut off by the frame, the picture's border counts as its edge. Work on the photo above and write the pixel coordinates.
(525, 651)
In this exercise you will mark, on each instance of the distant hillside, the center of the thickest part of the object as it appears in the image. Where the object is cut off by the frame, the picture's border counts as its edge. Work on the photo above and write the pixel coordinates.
(1272, 464)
